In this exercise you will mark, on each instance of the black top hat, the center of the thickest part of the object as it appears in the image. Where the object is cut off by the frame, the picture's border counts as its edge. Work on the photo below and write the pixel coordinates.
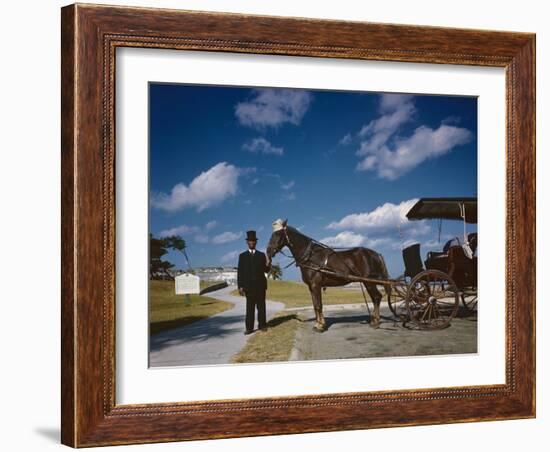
(251, 235)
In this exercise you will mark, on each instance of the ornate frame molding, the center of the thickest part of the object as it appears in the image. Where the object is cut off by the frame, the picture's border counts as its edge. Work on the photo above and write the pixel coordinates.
(90, 36)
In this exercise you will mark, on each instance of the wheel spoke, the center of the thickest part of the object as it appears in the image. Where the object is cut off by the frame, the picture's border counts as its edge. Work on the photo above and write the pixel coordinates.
(432, 300)
(436, 311)
(425, 312)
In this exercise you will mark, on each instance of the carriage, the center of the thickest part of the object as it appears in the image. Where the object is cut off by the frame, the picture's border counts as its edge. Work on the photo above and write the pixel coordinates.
(429, 292)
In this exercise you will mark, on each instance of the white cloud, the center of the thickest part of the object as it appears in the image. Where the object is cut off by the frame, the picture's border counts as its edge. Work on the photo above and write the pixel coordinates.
(378, 242)
(344, 239)
(195, 231)
(346, 139)
(393, 101)
(273, 107)
(209, 188)
(226, 237)
(454, 120)
(291, 196)
(229, 257)
(179, 230)
(408, 153)
(288, 185)
(201, 238)
(262, 146)
(387, 217)
(382, 149)
(384, 216)
(397, 110)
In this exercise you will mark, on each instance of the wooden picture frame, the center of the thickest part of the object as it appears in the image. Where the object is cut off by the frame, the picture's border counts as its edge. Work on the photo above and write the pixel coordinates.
(90, 36)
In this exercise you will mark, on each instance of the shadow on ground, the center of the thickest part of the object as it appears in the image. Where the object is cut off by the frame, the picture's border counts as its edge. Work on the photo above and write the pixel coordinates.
(283, 319)
(159, 327)
(218, 326)
(365, 319)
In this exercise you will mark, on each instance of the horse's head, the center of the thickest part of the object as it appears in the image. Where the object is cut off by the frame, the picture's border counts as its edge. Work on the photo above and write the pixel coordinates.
(279, 238)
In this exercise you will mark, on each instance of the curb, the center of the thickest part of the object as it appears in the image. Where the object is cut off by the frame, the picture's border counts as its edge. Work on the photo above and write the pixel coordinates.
(296, 353)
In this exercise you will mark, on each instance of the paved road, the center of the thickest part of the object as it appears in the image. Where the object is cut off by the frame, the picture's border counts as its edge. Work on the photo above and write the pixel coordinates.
(209, 341)
(350, 336)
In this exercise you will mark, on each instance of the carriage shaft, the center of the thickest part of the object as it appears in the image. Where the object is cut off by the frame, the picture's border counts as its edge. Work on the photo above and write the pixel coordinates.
(353, 278)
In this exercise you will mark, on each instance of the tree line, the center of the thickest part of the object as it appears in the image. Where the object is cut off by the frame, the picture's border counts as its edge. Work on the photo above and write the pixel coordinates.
(158, 247)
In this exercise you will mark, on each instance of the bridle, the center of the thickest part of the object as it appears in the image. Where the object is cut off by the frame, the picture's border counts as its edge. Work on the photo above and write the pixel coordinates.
(303, 259)
(287, 243)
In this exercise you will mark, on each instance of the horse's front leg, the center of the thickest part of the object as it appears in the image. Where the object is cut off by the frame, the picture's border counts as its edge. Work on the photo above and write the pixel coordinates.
(316, 299)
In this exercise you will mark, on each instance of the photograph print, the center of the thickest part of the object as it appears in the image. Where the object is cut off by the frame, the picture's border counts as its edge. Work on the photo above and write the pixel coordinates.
(290, 224)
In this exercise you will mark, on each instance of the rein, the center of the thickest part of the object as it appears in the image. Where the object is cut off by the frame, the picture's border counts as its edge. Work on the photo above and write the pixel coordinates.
(306, 253)
(289, 244)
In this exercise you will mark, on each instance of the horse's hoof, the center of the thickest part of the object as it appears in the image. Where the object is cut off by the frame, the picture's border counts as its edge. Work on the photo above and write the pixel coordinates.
(375, 325)
(319, 329)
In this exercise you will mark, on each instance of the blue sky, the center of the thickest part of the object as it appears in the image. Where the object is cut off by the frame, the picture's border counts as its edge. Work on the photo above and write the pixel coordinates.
(343, 167)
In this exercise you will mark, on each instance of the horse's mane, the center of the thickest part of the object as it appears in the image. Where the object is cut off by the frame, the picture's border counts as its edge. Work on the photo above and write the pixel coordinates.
(297, 231)
(317, 242)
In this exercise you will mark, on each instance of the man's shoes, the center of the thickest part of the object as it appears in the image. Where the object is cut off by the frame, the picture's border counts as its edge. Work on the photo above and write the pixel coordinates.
(248, 332)
(264, 329)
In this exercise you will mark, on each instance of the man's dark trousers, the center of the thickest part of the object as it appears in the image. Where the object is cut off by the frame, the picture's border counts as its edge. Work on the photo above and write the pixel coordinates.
(255, 299)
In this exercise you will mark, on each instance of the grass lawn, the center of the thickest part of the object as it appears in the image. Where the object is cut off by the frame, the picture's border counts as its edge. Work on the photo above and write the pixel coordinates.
(167, 311)
(274, 345)
(295, 294)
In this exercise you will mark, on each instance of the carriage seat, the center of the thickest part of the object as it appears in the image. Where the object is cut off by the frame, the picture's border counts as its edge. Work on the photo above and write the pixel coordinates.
(469, 248)
(435, 254)
(412, 260)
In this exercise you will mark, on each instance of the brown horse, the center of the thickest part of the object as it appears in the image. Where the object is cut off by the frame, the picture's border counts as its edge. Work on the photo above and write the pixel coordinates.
(318, 263)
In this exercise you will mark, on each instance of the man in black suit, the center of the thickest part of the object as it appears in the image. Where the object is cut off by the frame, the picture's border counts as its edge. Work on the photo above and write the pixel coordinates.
(252, 282)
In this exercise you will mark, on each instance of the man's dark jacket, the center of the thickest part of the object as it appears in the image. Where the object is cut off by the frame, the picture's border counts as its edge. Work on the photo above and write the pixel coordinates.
(250, 275)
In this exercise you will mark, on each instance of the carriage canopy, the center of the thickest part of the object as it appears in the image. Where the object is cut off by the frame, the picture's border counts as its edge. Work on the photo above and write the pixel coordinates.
(445, 208)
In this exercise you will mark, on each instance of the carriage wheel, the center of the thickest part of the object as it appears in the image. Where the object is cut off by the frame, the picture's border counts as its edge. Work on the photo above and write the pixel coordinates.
(432, 300)
(397, 301)
(469, 299)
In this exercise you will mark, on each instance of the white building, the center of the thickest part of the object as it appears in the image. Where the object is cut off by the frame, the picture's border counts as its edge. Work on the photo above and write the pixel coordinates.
(227, 274)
